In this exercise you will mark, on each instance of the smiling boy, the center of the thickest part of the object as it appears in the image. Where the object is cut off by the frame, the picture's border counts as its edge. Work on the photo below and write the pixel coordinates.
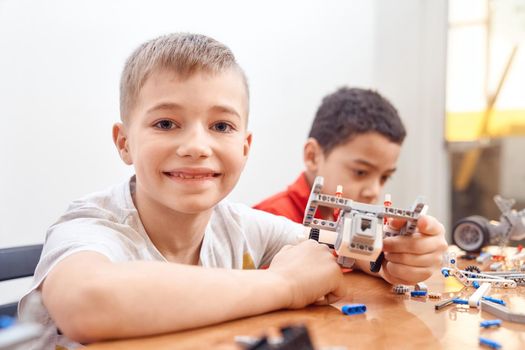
(162, 251)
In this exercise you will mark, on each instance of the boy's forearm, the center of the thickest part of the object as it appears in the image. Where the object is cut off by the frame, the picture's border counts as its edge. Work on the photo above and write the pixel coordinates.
(141, 298)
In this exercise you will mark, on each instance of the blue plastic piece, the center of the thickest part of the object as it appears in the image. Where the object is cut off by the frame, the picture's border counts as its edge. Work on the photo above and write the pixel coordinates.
(490, 343)
(445, 272)
(490, 323)
(418, 293)
(353, 309)
(453, 261)
(460, 301)
(475, 284)
(495, 300)
(6, 321)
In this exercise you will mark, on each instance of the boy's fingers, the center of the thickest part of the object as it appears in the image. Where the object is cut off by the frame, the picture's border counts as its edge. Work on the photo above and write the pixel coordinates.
(396, 223)
(332, 298)
(423, 260)
(430, 226)
(410, 274)
(418, 244)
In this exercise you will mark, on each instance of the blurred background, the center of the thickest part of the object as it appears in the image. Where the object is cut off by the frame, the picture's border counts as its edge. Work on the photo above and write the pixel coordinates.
(485, 120)
(454, 70)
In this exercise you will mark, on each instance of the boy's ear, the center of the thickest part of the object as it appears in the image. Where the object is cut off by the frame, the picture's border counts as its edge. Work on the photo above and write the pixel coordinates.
(120, 140)
(247, 144)
(312, 154)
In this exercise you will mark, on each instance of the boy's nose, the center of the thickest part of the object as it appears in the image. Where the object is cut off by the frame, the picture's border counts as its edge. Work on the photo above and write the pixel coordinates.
(371, 191)
(195, 144)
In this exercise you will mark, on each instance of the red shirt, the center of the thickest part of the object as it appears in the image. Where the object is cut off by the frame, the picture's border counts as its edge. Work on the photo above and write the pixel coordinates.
(290, 203)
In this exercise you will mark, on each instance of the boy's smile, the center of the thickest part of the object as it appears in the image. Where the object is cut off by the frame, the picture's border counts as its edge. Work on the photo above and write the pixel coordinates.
(192, 174)
(187, 140)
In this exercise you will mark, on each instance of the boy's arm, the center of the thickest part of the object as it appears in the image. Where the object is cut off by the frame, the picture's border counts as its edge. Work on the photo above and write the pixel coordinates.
(115, 300)
(411, 259)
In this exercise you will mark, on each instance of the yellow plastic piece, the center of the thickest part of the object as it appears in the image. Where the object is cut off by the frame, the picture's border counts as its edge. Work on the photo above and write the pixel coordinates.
(452, 285)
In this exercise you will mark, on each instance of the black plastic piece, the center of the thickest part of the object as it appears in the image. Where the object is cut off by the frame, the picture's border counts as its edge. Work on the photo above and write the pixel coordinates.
(314, 234)
(375, 266)
(294, 338)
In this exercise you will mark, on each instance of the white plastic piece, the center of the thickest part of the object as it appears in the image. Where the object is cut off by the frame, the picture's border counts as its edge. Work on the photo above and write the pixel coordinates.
(400, 289)
(502, 312)
(359, 242)
(496, 266)
(421, 286)
(467, 278)
(327, 237)
(474, 299)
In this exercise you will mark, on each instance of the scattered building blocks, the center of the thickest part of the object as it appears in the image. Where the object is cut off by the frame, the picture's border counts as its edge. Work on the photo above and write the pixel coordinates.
(400, 289)
(483, 257)
(433, 295)
(490, 323)
(421, 286)
(473, 300)
(468, 278)
(502, 312)
(516, 276)
(494, 300)
(418, 293)
(353, 309)
(460, 301)
(490, 343)
(293, 337)
(444, 303)
(497, 266)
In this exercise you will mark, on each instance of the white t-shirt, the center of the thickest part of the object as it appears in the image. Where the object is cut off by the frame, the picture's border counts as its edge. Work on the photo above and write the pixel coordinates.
(107, 222)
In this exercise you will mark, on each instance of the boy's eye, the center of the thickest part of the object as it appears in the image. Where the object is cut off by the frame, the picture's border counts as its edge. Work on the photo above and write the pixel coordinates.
(360, 173)
(222, 127)
(385, 178)
(165, 124)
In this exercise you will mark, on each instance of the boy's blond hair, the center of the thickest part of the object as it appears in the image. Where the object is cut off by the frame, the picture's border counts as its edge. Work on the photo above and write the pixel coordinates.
(182, 53)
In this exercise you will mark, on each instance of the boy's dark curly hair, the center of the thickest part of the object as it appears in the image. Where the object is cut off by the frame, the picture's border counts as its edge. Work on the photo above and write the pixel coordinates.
(352, 111)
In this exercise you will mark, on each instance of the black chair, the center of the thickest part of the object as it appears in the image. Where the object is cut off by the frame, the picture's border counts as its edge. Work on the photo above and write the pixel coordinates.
(16, 263)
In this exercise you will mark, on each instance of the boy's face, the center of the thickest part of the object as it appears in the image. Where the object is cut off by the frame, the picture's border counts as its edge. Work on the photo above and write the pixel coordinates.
(362, 165)
(187, 139)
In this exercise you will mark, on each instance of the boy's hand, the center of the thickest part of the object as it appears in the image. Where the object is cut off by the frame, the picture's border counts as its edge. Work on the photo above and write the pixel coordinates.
(310, 272)
(411, 259)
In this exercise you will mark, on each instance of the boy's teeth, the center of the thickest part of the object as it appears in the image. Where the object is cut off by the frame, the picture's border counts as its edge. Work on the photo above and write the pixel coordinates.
(200, 176)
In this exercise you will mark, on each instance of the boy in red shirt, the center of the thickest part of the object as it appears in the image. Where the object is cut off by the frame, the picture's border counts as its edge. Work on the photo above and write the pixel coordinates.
(354, 141)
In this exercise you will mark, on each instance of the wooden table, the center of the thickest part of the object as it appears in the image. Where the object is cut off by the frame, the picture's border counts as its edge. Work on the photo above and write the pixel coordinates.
(391, 322)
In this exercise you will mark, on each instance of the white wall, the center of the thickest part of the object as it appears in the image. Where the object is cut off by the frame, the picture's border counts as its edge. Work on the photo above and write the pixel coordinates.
(409, 68)
(60, 62)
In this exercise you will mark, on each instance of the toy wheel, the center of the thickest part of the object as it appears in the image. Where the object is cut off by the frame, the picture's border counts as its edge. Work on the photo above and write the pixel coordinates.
(471, 233)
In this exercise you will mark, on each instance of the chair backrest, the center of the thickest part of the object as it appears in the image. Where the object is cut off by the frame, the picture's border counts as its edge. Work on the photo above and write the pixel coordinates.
(16, 263)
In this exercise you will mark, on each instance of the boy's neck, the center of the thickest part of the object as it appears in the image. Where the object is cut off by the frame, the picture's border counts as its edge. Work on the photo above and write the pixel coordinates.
(177, 236)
